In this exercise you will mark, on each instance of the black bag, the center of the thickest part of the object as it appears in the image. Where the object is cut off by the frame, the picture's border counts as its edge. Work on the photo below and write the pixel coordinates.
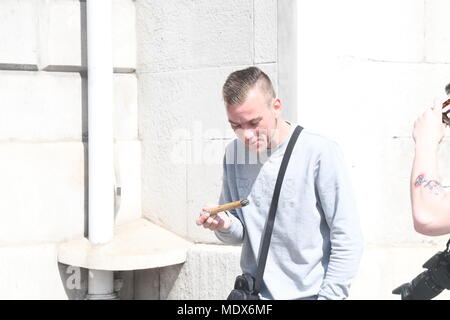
(247, 287)
(244, 288)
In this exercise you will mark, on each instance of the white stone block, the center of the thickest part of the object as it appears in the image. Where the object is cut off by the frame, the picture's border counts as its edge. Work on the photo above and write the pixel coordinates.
(163, 187)
(42, 188)
(60, 33)
(62, 23)
(204, 184)
(287, 56)
(31, 272)
(367, 99)
(208, 273)
(381, 181)
(265, 31)
(380, 30)
(369, 108)
(19, 32)
(271, 69)
(180, 104)
(174, 35)
(384, 195)
(124, 34)
(126, 109)
(437, 38)
(40, 106)
(128, 160)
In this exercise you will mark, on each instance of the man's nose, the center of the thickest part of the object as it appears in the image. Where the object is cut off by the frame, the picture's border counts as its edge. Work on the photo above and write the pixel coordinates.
(248, 133)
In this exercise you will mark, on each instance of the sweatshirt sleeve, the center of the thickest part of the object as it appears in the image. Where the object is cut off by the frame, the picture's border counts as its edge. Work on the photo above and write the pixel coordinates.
(338, 204)
(235, 234)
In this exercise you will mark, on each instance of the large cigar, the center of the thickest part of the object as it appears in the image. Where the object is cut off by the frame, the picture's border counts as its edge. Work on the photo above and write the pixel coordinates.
(445, 118)
(229, 206)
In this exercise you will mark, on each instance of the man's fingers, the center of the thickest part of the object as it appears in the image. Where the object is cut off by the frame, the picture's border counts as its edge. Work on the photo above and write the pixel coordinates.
(212, 223)
(432, 112)
(209, 221)
(203, 217)
(218, 224)
(437, 110)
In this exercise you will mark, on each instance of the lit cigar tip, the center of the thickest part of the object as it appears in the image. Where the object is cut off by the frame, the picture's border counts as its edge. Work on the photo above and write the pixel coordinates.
(244, 202)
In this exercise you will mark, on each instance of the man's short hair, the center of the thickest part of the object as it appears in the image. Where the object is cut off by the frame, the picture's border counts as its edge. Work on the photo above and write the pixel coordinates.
(238, 84)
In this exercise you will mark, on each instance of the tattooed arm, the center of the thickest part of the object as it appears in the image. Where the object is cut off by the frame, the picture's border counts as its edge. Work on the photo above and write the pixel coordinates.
(430, 202)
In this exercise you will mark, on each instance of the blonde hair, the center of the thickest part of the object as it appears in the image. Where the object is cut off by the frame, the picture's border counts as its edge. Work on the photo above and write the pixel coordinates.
(239, 83)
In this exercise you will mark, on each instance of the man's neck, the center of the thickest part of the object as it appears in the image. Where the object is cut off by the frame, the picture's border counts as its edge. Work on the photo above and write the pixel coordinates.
(281, 133)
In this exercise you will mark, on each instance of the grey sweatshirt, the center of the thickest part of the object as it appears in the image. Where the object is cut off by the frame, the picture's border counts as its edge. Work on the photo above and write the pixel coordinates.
(316, 243)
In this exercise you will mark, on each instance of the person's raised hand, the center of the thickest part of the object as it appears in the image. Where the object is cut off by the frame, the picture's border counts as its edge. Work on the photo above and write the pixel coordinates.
(219, 221)
(428, 128)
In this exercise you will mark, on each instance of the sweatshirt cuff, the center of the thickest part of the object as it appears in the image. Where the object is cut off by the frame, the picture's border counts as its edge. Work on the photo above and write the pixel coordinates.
(234, 234)
(233, 225)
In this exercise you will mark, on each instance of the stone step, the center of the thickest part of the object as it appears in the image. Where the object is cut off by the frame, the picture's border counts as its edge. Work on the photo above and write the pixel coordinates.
(139, 244)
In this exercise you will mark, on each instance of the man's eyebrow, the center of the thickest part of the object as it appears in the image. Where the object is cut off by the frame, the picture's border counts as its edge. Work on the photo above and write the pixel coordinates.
(256, 119)
(252, 120)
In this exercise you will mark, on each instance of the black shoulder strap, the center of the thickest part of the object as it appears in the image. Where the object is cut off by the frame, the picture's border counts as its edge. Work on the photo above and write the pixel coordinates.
(266, 235)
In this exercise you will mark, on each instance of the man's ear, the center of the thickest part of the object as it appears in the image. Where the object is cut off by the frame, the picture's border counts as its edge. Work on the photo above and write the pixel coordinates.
(277, 106)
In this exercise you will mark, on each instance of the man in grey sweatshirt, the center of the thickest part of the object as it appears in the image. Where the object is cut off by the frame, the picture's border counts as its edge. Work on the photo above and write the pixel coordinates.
(316, 243)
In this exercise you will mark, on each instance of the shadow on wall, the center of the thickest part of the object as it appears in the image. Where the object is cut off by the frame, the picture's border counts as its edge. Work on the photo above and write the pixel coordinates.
(74, 281)
(156, 283)
(171, 274)
(84, 110)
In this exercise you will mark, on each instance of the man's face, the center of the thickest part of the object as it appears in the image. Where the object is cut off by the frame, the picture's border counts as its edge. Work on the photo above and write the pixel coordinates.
(255, 120)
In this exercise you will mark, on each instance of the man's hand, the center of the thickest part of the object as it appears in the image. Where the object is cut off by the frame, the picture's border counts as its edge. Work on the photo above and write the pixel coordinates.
(219, 221)
(428, 128)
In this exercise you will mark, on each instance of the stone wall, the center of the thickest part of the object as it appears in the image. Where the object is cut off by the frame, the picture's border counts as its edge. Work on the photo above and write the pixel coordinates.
(366, 71)
(43, 129)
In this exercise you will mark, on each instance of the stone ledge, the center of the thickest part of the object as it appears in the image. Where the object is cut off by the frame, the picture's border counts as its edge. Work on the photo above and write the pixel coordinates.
(18, 67)
(64, 68)
(139, 244)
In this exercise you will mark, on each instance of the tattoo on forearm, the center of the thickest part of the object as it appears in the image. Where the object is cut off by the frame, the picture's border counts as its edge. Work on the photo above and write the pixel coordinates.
(432, 185)
(420, 179)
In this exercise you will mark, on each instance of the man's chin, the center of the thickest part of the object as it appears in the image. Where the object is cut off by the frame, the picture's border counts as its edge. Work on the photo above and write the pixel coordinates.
(258, 148)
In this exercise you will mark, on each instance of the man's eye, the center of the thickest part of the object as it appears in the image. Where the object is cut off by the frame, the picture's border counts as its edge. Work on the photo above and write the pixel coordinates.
(235, 126)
